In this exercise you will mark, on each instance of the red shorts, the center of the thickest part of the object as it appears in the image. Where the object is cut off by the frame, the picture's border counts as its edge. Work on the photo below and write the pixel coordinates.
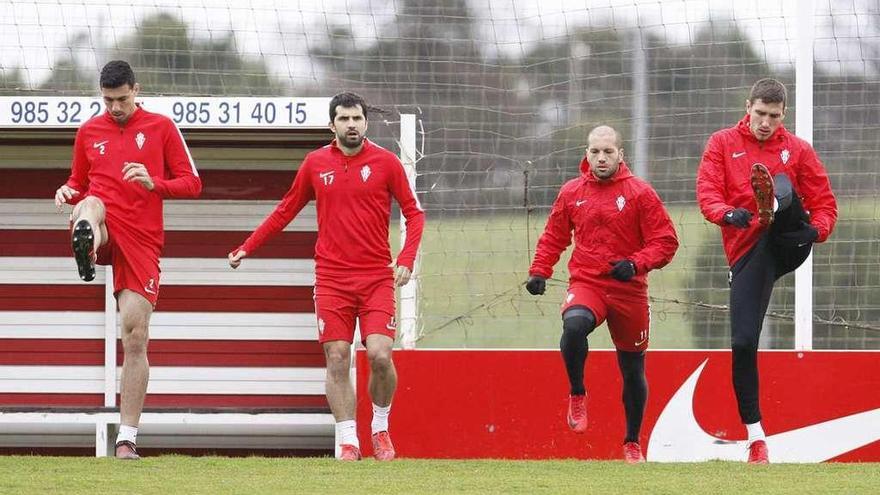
(369, 299)
(628, 315)
(135, 272)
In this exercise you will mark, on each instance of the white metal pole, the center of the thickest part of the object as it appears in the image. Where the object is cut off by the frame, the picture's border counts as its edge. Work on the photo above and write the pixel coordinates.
(640, 106)
(110, 333)
(803, 276)
(409, 292)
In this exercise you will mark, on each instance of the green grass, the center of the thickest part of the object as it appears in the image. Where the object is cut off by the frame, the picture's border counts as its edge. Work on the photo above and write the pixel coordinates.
(216, 475)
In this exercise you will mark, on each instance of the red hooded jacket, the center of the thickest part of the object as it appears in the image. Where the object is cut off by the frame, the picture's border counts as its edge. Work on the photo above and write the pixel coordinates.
(614, 219)
(723, 182)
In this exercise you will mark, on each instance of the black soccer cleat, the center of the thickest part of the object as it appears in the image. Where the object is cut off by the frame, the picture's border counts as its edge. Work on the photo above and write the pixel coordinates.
(83, 243)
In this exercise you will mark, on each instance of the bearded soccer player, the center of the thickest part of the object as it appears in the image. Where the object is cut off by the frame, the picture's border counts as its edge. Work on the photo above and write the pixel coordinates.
(125, 162)
(621, 232)
(769, 192)
(352, 181)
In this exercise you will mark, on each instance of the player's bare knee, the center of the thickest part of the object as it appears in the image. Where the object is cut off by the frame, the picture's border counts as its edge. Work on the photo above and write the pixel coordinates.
(90, 206)
(338, 361)
(134, 341)
(380, 360)
(135, 323)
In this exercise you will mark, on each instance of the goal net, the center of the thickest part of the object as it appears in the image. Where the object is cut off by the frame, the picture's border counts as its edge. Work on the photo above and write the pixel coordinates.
(505, 92)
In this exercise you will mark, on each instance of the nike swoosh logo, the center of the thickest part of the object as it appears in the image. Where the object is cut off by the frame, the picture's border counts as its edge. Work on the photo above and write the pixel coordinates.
(149, 291)
(739, 154)
(580, 202)
(677, 437)
(98, 145)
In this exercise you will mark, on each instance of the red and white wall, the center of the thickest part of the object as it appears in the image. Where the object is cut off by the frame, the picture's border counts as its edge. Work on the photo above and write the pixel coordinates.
(219, 338)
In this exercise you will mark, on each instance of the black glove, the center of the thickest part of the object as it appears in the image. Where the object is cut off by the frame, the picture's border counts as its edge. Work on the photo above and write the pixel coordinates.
(739, 217)
(536, 285)
(807, 234)
(623, 270)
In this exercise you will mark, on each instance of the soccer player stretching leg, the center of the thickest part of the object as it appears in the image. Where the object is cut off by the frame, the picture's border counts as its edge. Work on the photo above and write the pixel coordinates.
(769, 193)
(621, 232)
(125, 161)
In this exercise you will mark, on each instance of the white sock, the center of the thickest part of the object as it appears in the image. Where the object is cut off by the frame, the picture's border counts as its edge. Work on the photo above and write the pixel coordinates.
(755, 432)
(347, 433)
(380, 418)
(775, 204)
(128, 433)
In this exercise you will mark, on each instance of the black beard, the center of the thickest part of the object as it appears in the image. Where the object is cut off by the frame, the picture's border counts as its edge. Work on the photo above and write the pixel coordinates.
(344, 141)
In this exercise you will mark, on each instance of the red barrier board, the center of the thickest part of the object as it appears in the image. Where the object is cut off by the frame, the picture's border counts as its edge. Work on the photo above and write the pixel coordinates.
(816, 405)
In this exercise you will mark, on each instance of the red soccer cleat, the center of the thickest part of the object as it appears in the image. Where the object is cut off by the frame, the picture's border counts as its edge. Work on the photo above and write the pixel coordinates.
(348, 452)
(758, 453)
(126, 450)
(632, 453)
(762, 185)
(577, 413)
(383, 449)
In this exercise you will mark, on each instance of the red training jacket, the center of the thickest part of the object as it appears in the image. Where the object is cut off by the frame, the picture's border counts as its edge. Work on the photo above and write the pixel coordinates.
(614, 219)
(134, 214)
(723, 182)
(353, 197)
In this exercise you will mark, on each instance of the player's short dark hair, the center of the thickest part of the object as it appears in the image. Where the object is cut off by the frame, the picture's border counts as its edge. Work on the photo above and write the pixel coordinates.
(117, 73)
(769, 91)
(347, 100)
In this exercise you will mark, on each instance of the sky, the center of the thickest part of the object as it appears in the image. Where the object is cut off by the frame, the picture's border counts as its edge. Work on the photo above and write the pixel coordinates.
(35, 33)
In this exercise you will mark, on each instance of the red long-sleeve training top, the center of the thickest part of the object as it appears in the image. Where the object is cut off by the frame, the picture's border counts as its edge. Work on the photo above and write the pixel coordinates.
(353, 200)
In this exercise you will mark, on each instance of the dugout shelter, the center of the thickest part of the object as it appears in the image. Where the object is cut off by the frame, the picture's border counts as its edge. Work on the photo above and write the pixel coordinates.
(235, 362)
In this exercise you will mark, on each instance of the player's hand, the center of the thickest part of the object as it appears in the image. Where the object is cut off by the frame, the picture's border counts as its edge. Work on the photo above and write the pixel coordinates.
(63, 195)
(536, 285)
(137, 172)
(807, 234)
(235, 257)
(402, 275)
(623, 270)
(739, 217)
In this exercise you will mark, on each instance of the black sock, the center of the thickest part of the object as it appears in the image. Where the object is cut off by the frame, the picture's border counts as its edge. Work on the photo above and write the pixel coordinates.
(577, 323)
(574, 349)
(635, 391)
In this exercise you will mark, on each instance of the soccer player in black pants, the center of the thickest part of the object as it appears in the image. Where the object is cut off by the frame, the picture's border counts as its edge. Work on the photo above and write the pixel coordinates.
(771, 196)
(621, 232)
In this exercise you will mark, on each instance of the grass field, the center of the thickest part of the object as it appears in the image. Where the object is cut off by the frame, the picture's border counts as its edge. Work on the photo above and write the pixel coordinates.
(216, 475)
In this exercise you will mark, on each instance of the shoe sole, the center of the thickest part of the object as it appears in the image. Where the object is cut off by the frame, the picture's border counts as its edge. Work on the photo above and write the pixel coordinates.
(83, 243)
(762, 185)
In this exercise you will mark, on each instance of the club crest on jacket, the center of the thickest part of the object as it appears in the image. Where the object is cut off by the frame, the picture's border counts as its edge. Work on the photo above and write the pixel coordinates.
(365, 172)
(621, 202)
